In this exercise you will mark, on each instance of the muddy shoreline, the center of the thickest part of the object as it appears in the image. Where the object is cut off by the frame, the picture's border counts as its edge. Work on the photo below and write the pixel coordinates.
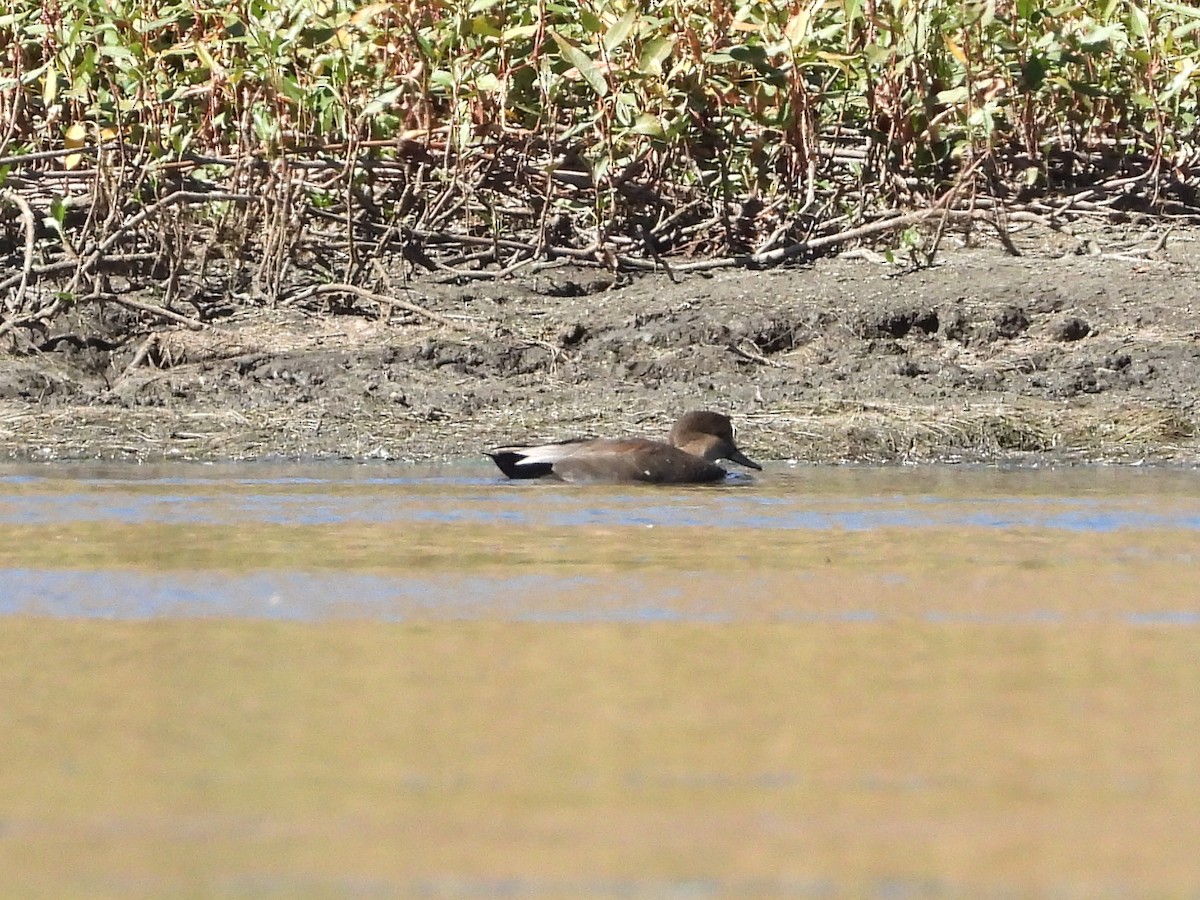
(1078, 350)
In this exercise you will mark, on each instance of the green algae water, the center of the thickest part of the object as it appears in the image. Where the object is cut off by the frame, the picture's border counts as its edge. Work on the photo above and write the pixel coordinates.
(382, 681)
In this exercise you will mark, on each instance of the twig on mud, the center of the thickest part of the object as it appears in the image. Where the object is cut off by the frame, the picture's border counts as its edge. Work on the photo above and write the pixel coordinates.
(782, 254)
(866, 253)
(69, 265)
(139, 357)
(1018, 214)
(747, 350)
(340, 288)
(450, 275)
(45, 314)
(1160, 244)
(998, 222)
(162, 312)
(30, 224)
(1140, 254)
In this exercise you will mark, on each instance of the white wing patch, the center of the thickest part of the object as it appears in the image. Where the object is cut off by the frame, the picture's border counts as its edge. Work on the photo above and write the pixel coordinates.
(546, 453)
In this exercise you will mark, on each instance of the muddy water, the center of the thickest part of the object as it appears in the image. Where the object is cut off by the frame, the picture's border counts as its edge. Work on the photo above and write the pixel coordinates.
(371, 681)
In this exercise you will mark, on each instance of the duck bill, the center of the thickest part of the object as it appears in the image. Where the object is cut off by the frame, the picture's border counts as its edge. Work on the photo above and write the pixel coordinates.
(737, 456)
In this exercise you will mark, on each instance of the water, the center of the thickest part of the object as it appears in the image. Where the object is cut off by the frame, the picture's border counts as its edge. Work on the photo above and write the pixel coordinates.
(346, 680)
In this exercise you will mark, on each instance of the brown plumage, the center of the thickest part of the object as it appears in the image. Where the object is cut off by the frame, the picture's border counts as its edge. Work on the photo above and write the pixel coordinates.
(696, 442)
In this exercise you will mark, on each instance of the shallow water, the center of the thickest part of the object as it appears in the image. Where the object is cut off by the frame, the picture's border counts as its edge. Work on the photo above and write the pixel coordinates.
(377, 680)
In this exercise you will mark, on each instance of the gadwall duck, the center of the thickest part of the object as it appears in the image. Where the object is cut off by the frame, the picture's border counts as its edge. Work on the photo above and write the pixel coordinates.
(697, 440)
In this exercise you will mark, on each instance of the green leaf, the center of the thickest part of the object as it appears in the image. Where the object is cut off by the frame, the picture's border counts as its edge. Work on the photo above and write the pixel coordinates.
(583, 63)
(520, 31)
(654, 54)
(1102, 35)
(315, 37)
(443, 79)
(289, 88)
(1139, 22)
(381, 102)
(149, 26)
(117, 54)
(621, 29)
(600, 168)
(623, 110)
(1034, 72)
(750, 54)
(1185, 29)
(482, 25)
(1086, 88)
(648, 124)
(1181, 9)
(58, 213)
(827, 34)
(590, 21)
(878, 55)
(488, 83)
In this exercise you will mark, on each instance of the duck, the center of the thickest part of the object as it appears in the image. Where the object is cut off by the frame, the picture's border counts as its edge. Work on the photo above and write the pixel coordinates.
(688, 456)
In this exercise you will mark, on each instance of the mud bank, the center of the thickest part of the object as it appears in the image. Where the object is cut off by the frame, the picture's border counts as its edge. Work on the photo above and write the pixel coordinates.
(1075, 350)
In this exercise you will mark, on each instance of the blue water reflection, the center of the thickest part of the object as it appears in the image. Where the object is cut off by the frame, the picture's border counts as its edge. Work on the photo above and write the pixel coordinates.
(635, 599)
(281, 503)
(815, 504)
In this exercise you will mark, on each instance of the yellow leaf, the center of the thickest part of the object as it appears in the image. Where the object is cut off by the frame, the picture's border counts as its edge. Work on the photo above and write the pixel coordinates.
(50, 87)
(75, 136)
(796, 30)
(368, 12)
(955, 50)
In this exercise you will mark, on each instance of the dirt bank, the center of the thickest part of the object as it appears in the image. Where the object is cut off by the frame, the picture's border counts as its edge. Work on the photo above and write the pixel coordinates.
(1078, 349)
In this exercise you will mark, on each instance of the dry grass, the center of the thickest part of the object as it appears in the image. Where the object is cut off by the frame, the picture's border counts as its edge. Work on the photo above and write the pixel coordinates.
(970, 431)
(877, 432)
